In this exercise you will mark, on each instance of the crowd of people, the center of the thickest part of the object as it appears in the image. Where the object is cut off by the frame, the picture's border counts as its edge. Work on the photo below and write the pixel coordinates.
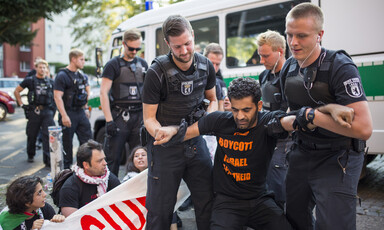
(260, 154)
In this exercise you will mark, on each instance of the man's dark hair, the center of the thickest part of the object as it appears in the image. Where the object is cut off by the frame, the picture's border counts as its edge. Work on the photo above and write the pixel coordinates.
(130, 165)
(21, 192)
(175, 25)
(244, 87)
(84, 154)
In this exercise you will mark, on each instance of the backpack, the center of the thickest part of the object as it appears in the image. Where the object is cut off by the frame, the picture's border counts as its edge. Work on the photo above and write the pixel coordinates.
(58, 182)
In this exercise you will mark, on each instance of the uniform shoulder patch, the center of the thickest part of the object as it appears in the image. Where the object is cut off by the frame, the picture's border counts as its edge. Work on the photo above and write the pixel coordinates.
(353, 87)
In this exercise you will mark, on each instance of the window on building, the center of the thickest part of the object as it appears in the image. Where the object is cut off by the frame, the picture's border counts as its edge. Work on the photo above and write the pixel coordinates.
(49, 47)
(243, 27)
(25, 48)
(49, 28)
(206, 31)
(25, 66)
(59, 49)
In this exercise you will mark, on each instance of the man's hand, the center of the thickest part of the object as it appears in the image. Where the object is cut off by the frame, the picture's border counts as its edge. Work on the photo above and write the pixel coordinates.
(66, 121)
(87, 113)
(341, 114)
(164, 134)
(37, 224)
(112, 128)
(58, 218)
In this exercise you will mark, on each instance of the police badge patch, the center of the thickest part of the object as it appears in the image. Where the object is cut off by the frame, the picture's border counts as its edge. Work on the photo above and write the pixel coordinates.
(133, 90)
(186, 87)
(353, 87)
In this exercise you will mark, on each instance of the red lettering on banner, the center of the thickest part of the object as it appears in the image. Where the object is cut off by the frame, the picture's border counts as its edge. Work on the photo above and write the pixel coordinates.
(88, 221)
(141, 200)
(109, 219)
(135, 209)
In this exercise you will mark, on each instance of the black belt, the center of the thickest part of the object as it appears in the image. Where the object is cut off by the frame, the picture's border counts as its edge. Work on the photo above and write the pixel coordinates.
(130, 108)
(346, 144)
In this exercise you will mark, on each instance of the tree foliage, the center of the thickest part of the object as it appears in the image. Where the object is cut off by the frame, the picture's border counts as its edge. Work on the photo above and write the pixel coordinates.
(16, 17)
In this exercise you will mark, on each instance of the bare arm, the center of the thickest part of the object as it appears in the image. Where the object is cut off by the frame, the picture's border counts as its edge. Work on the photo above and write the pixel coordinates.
(210, 94)
(165, 133)
(360, 127)
(221, 105)
(17, 94)
(66, 211)
(149, 117)
(106, 85)
(58, 96)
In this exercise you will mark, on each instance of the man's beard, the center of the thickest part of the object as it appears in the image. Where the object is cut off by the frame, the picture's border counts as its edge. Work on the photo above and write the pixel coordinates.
(182, 60)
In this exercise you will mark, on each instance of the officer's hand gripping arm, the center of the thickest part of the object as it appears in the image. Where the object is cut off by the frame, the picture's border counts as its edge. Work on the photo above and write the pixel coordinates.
(168, 137)
(341, 114)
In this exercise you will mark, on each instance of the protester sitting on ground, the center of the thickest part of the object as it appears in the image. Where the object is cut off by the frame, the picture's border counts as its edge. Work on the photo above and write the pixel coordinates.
(137, 162)
(27, 207)
(90, 180)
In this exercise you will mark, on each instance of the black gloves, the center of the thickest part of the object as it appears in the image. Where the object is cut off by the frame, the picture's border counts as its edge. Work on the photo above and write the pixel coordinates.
(301, 121)
(111, 128)
(179, 137)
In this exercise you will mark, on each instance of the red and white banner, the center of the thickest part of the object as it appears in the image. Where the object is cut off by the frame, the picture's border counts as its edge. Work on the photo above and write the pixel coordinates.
(121, 208)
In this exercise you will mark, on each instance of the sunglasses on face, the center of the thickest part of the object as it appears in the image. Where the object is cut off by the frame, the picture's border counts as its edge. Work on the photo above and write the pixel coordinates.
(133, 49)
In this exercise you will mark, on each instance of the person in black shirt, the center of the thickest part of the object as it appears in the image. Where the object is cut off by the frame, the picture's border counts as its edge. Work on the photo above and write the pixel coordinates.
(27, 207)
(120, 97)
(246, 139)
(271, 49)
(325, 163)
(71, 91)
(174, 89)
(91, 179)
(40, 110)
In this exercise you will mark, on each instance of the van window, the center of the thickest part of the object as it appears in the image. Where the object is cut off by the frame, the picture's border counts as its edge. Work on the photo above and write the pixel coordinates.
(243, 27)
(206, 31)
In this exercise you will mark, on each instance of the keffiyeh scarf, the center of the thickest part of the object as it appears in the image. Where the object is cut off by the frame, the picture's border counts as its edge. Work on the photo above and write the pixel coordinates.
(100, 181)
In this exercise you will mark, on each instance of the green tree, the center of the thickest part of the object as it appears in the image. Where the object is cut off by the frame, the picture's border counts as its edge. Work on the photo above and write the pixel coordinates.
(16, 17)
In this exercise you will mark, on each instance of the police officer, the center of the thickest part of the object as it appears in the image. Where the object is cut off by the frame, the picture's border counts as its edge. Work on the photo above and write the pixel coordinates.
(123, 77)
(214, 53)
(325, 163)
(271, 49)
(40, 110)
(71, 92)
(174, 88)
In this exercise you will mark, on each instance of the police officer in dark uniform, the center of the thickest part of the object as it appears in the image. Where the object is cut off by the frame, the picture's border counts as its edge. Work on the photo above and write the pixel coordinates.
(214, 53)
(325, 163)
(40, 110)
(174, 89)
(271, 49)
(123, 77)
(71, 92)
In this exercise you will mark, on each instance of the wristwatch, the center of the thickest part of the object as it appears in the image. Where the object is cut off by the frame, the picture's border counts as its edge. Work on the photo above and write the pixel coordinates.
(311, 116)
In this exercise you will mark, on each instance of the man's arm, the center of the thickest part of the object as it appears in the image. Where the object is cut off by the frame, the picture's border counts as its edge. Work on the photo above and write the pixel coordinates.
(165, 133)
(58, 96)
(106, 85)
(210, 94)
(17, 95)
(360, 125)
(66, 211)
(149, 117)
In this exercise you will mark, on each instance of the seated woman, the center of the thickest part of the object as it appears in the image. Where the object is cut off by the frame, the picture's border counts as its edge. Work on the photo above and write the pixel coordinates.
(136, 163)
(27, 208)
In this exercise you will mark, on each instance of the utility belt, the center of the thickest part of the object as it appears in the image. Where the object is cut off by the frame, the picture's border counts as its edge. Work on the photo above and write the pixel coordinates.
(73, 108)
(351, 143)
(128, 108)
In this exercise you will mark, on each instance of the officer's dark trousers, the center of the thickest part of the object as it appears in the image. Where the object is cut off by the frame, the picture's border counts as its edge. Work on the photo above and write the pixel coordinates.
(233, 214)
(129, 132)
(79, 125)
(315, 177)
(35, 121)
(166, 168)
(277, 170)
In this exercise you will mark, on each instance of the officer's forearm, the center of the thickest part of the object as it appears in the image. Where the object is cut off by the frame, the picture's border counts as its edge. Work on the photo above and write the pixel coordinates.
(213, 106)
(18, 98)
(152, 125)
(105, 106)
(60, 105)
